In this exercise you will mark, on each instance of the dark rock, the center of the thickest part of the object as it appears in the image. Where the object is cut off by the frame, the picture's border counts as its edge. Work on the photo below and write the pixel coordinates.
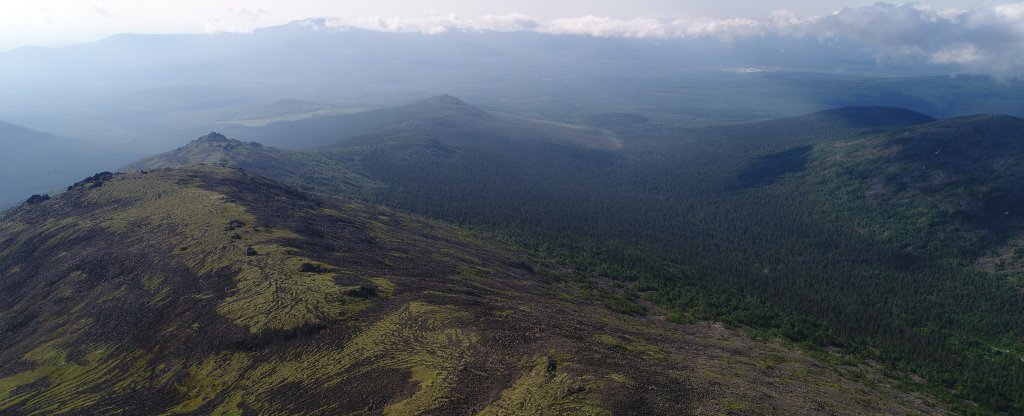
(249, 251)
(35, 199)
(234, 225)
(213, 137)
(362, 292)
(95, 181)
(523, 265)
(102, 176)
(552, 366)
(312, 268)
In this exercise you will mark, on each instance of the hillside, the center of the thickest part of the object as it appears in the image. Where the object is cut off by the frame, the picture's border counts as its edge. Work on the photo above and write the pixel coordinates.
(212, 291)
(954, 187)
(33, 162)
(872, 117)
(282, 110)
(320, 171)
(437, 116)
(758, 224)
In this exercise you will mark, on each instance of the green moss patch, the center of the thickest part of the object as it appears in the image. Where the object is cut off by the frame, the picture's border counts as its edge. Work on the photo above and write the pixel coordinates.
(547, 391)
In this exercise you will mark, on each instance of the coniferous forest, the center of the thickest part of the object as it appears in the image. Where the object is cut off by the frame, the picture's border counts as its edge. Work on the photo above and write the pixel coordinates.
(812, 228)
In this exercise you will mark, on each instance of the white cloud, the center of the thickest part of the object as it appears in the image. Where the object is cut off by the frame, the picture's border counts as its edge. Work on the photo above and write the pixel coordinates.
(606, 27)
(1012, 12)
(786, 22)
(430, 24)
(723, 29)
(596, 26)
(240, 19)
(958, 54)
(986, 39)
(103, 12)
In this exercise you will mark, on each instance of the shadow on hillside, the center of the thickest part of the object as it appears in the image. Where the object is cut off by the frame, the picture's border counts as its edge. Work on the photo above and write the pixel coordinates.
(768, 169)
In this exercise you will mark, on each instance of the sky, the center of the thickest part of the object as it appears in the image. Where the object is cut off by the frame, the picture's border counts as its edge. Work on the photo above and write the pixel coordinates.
(62, 22)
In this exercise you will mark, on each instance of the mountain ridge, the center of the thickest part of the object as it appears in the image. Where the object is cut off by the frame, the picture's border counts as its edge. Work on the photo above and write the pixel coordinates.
(876, 116)
(449, 111)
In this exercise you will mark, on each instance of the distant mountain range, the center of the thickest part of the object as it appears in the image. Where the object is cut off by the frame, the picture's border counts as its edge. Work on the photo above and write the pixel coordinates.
(143, 93)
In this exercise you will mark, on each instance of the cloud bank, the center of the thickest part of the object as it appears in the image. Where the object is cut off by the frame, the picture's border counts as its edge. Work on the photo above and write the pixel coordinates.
(987, 39)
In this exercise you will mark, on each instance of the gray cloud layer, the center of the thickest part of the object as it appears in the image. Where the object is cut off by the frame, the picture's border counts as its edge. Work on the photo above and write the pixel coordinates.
(987, 39)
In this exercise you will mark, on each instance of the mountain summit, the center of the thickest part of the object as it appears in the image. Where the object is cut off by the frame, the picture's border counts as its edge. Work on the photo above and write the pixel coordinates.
(211, 149)
(444, 100)
(213, 137)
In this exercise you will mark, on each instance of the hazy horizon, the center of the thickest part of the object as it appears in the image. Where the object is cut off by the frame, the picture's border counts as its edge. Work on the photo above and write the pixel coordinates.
(50, 23)
(976, 37)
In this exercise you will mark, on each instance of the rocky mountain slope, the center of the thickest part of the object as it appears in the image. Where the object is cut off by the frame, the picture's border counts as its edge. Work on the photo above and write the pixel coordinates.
(209, 290)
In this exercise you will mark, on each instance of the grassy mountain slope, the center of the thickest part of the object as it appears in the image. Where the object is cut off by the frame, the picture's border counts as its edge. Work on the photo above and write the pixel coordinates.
(212, 291)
